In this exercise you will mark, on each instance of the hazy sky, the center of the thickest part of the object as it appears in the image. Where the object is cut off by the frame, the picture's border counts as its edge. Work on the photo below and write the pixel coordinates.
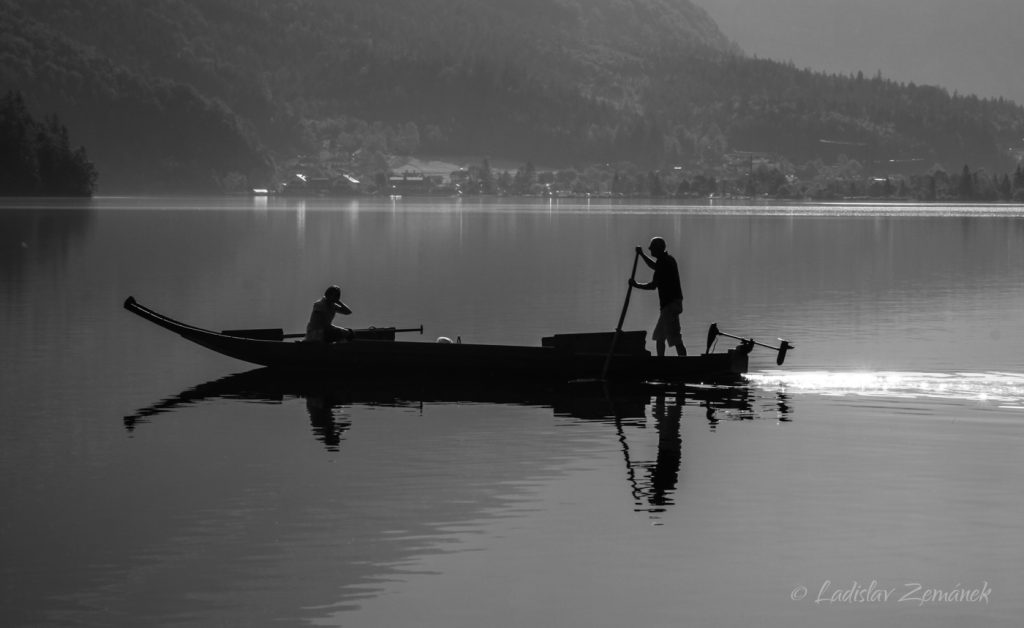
(973, 46)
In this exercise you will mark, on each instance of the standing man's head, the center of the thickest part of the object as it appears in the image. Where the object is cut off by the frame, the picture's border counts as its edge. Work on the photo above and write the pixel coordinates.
(333, 294)
(657, 247)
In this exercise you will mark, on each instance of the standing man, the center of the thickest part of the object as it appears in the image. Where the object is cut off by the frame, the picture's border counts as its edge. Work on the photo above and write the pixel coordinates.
(319, 328)
(670, 294)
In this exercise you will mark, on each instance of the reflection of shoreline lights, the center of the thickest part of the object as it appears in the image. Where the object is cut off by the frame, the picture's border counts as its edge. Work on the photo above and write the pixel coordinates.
(300, 222)
(1003, 388)
(755, 208)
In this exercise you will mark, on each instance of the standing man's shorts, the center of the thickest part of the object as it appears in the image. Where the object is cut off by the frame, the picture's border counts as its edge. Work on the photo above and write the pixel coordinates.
(668, 328)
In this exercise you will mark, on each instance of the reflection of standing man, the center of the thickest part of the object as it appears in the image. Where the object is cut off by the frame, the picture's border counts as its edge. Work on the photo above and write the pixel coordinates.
(670, 294)
(665, 474)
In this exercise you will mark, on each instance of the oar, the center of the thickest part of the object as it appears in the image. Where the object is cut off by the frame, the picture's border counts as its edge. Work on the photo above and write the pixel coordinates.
(622, 319)
(783, 348)
(278, 334)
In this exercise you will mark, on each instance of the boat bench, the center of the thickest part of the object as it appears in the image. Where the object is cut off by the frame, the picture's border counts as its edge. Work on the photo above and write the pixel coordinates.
(629, 342)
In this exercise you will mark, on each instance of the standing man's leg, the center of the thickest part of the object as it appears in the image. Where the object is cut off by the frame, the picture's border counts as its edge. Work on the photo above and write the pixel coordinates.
(663, 331)
(680, 348)
(677, 338)
(675, 328)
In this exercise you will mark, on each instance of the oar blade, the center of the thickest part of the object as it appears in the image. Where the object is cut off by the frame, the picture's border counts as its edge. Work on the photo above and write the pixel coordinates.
(784, 347)
(712, 335)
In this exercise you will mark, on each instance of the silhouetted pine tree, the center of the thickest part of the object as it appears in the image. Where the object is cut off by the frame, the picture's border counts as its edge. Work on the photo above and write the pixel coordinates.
(19, 174)
(1005, 188)
(966, 188)
(36, 158)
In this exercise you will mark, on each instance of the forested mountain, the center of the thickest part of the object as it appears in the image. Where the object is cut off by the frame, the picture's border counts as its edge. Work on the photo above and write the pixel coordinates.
(971, 47)
(203, 94)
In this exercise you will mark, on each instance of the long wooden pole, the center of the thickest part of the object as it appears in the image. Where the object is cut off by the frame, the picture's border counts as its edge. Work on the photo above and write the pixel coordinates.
(622, 319)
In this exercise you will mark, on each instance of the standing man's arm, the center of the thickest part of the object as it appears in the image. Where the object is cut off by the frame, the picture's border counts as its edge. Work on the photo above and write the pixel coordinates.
(651, 285)
(647, 260)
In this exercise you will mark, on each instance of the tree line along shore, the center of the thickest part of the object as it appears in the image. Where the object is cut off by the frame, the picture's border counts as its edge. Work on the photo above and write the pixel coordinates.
(36, 157)
(846, 179)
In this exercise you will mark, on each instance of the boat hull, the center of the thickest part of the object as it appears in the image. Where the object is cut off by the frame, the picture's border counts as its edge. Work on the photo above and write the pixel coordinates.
(368, 357)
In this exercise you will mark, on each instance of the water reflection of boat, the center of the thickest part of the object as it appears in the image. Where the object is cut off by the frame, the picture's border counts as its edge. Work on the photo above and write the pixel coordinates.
(326, 394)
(560, 357)
(628, 409)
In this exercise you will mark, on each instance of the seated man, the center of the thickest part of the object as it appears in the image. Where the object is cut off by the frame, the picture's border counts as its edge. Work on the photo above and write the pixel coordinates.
(319, 328)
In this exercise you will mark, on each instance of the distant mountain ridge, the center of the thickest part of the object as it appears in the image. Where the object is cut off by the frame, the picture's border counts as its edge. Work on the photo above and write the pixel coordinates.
(970, 47)
(205, 94)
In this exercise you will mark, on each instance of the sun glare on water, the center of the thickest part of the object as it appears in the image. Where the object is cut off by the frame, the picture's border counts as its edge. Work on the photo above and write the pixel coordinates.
(1006, 390)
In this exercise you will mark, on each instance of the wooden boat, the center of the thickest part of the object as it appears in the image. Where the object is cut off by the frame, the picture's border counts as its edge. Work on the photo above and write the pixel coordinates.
(375, 352)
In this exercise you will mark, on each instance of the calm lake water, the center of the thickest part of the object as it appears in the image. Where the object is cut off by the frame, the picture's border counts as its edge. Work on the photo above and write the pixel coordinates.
(145, 481)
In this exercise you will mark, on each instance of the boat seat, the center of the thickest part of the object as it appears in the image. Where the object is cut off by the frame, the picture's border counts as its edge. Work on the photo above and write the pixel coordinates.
(629, 342)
